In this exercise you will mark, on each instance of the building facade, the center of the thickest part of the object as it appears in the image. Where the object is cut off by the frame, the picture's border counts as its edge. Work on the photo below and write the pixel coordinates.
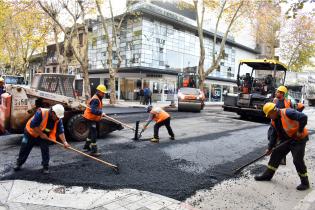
(155, 46)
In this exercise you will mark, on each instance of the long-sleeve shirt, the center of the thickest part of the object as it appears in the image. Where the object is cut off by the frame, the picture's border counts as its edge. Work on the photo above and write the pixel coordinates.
(50, 124)
(2, 90)
(278, 132)
(94, 107)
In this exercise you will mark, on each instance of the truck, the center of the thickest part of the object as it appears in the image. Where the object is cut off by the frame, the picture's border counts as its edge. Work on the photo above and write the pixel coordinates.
(190, 97)
(256, 88)
(20, 102)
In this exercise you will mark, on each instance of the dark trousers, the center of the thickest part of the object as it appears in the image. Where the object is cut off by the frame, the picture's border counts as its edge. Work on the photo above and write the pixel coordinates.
(27, 145)
(93, 131)
(298, 151)
(167, 124)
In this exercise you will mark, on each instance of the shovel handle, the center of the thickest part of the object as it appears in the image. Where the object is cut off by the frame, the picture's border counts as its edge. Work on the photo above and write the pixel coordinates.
(117, 121)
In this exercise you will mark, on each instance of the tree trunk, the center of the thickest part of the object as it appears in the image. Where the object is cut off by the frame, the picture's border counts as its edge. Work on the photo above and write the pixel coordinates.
(86, 81)
(112, 87)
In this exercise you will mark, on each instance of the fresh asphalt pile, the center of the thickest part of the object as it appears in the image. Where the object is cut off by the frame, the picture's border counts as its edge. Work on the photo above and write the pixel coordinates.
(143, 166)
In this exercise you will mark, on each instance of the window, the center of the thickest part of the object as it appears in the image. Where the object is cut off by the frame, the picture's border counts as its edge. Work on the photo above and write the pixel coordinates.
(54, 69)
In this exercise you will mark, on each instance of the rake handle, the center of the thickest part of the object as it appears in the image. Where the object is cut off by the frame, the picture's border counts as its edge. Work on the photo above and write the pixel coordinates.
(89, 156)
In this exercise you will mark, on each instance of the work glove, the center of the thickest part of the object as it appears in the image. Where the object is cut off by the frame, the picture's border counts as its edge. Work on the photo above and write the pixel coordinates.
(103, 115)
(298, 134)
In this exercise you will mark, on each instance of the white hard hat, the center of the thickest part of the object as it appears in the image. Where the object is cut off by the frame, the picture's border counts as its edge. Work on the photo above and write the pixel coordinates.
(59, 110)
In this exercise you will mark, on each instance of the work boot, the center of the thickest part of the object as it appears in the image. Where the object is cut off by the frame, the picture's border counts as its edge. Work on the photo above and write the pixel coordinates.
(305, 184)
(87, 146)
(94, 151)
(17, 167)
(266, 176)
(155, 140)
(45, 170)
(172, 137)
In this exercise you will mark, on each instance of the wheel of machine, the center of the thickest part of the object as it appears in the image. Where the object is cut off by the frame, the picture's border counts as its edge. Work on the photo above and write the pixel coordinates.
(77, 128)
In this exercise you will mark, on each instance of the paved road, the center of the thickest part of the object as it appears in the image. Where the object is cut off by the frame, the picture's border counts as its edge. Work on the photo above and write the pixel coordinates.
(208, 146)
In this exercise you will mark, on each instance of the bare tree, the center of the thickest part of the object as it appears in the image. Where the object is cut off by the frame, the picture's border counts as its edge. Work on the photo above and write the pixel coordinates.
(231, 10)
(112, 43)
(79, 49)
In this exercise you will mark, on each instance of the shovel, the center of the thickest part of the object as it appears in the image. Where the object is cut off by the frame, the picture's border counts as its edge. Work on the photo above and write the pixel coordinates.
(116, 121)
(114, 167)
(238, 170)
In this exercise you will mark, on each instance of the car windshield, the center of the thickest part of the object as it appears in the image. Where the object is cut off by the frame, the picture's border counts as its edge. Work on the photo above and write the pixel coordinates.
(190, 91)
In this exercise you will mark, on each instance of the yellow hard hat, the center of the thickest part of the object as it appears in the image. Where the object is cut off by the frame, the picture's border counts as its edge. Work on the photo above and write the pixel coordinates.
(282, 89)
(268, 107)
(1, 79)
(101, 88)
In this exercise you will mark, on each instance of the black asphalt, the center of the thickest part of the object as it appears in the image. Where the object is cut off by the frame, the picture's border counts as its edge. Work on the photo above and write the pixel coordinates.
(143, 165)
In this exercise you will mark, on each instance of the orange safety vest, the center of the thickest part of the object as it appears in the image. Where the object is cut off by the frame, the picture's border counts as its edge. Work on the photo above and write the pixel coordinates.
(159, 114)
(88, 111)
(287, 103)
(290, 126)
(42, 126)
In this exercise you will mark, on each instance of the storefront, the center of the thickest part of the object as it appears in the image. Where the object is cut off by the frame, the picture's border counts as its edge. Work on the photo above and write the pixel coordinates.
(128, 85)
(214, 90)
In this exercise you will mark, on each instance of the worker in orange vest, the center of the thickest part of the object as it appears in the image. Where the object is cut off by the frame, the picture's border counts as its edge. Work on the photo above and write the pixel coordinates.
(161, 118)
(2, 88)
(93, 114)
(280, 100)
(43, 127)
(288, 124)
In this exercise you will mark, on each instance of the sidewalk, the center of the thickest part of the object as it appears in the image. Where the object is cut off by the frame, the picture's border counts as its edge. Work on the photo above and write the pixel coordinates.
(19, 194)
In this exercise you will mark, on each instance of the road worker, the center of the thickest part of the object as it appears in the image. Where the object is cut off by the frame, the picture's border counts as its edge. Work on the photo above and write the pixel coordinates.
(161, 118)
(46, 125)
(287, 124)
(2, 88)
(280, 100)
(93, 114)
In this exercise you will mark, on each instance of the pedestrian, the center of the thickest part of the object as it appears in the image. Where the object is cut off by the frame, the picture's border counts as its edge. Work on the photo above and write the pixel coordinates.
(141, 94)
(161, 118)
(288, 124)
(146, 95)
(2, 88)
(93, 115)
(43, 127)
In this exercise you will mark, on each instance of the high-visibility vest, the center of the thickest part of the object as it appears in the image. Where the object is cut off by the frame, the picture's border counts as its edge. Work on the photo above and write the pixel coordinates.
(159, 114)
(88, 111)
(42, 126)
(287, 103)
(290, 126)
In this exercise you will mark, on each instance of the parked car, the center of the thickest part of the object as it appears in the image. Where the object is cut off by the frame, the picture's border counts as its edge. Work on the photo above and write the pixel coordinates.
(190, 99)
